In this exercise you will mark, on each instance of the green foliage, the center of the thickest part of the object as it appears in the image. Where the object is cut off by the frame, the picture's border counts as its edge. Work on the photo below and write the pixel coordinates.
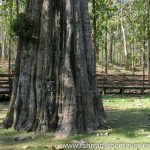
(6, 16)
(114, 17)
(23, 26)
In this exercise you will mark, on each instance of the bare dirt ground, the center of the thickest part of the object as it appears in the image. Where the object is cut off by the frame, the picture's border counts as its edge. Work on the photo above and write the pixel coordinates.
(114, 69)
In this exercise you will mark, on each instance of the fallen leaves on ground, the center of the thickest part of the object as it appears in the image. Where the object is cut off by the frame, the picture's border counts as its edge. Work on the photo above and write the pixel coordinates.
(103, 134)
(26, 147)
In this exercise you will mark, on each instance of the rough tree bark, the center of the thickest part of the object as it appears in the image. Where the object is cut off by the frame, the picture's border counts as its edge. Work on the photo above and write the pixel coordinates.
(56, 86)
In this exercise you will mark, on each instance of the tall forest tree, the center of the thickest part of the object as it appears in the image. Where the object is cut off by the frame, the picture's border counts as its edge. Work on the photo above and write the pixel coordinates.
(148, 9)
(128, 35)
(55, 85)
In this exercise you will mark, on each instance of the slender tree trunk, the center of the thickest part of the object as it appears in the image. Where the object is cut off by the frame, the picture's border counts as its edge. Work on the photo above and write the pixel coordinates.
(133, 53)
(17, 7)
(114, 50)
(95, 31)
(149, 39)
(3, 46)
(10, 40)
(124, 39)
(144, 55)
(3, 51)
(111, 47)
(57, 77)
(106, 50)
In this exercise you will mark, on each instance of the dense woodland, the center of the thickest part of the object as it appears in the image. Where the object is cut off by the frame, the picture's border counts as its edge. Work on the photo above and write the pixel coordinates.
(50, 43)
(120, 33)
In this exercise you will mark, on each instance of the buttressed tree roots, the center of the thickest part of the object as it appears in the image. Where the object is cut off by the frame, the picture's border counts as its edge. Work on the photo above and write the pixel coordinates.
(55, 86)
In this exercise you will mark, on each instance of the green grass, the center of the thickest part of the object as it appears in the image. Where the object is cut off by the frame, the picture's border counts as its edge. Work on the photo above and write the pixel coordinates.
(2, 71)
(128, 117)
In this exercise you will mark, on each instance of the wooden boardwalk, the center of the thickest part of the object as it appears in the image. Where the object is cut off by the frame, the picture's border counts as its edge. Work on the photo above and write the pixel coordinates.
(124, 83)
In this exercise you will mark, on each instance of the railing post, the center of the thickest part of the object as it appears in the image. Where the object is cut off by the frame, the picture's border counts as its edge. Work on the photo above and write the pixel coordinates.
(143, 84)
(122, 85)
(10, 84)
(104, 85)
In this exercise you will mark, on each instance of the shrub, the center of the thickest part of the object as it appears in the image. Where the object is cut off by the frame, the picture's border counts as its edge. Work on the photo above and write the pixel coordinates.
(23, 26)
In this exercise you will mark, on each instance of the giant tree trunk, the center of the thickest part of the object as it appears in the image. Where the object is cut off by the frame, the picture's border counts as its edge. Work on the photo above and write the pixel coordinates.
(57, 88)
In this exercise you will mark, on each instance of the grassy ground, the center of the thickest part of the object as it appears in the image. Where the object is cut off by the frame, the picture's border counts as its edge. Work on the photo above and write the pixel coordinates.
(129, 119)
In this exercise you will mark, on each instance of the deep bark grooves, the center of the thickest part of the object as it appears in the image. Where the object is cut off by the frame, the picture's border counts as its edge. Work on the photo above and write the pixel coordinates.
(32, 98)
(60, 60)
(22, 101)
(26, 91)
(91, 65)
(9, 117)
(88, 54)
(82, 84)
(67, 122)
(62, 57)
(44, 65)
(23, 85)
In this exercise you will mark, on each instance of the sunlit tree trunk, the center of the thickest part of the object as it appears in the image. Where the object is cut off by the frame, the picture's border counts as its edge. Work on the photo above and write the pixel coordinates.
(3, 51)
(111, 47)
(124, 39)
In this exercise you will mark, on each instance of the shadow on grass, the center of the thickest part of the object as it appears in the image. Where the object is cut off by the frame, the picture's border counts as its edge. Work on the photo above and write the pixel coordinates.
(124, 123)
(8, 141)
(129, 121)
(117, 97)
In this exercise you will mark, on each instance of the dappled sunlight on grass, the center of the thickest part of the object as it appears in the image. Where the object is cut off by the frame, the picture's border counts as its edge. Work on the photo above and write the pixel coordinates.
(128, 118)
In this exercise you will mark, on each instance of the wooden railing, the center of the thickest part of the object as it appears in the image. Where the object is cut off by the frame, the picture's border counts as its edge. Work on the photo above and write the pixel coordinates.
(6, 81)
(123, 82)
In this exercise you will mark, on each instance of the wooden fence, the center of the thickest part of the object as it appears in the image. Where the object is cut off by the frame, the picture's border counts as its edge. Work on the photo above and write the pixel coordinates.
(124, 83)
(5, 84)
